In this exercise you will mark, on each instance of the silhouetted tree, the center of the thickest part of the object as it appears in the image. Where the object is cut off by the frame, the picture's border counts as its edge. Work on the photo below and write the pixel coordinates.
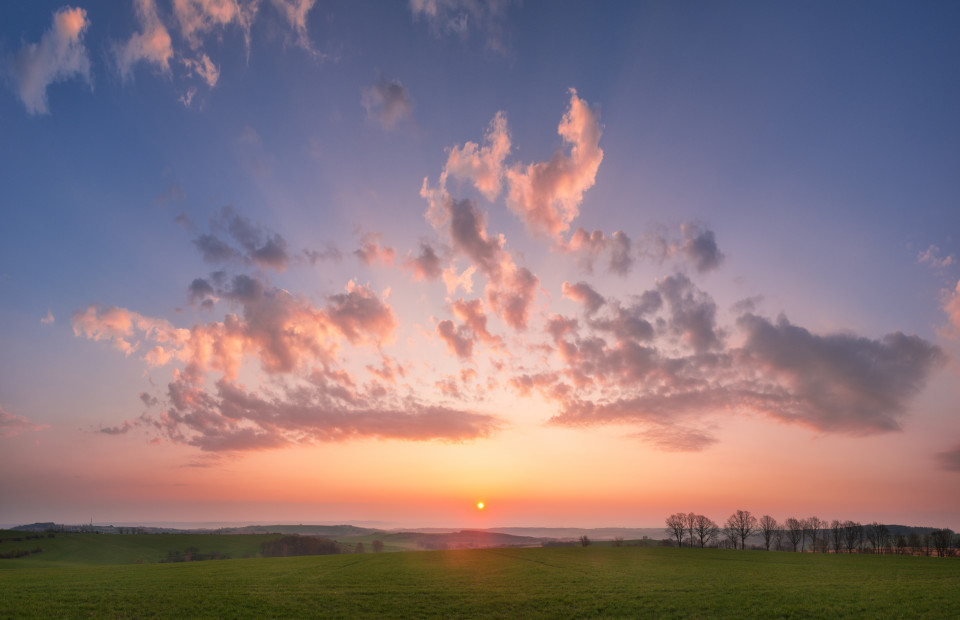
(836, 531)
(768, 525)
(677, 526)
(584, 541)
(794, 532)
(942, 541)
(359, 548)
(691, 522)
(705, 530)
(813, 531)
(778, 538)
(901, 543)
(742, 523)
(617, 541)
(878, 535)
(377, 546)
(852, 532)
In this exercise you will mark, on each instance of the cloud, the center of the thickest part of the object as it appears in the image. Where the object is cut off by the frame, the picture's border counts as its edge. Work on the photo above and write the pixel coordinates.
(837, 382)
(387, 103)
(462, 17)
(482, 166)
(931, 256)
(949, 460)
(459, 340)
(12, 425)
(371, 252)
(257, 245)
(700, 247)
(361, 316)
(48, 320)
(952, 307)
(151, 44)
(669, 371)
(197, 18)
(547, 195)
(295, 12)
(59, 56)
(583, 293)
(426, 265)
(202, 67)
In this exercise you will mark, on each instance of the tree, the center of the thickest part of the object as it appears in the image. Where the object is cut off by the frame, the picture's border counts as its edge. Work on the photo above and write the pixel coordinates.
(768, 525)
(794, 532)
(691, 521)
(617, 541)
(778, 538)
(377, 546)
(705, 530)
(942, 540)
(359, 548)
(901, 543)
(742, 523)
(677, 526)
(814, 524)
(836, 531)
(584, 541)
(879, 536)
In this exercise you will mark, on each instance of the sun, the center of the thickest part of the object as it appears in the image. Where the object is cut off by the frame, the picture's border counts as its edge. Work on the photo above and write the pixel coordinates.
(479, 505)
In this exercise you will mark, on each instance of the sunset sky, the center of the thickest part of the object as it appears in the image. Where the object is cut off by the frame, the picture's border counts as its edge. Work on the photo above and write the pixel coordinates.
(590, 263)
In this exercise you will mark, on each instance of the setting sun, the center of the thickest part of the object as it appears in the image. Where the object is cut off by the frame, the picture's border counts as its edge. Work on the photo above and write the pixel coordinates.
(479, 505)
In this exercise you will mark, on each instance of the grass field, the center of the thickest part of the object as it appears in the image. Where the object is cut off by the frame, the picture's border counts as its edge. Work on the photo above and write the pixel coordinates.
(570, 582)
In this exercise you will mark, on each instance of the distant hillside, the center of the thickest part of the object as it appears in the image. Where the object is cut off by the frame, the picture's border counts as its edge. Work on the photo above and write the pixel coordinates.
(329, 531)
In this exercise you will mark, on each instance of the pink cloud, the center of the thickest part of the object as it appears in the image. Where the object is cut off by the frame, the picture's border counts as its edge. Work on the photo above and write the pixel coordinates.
(59, 56)
(151, 44)
(952, 308)
(12, 425)
(547, 195)
(371, 252)
(483, 166)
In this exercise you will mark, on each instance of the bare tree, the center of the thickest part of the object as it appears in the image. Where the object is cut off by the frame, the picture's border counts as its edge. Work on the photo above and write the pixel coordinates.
(742, 523)
(778, 538)
(927, 543)
(677, 526)
(585, 541)
(836, 531)
(942, 540)
(691, 522)
(901, 544)
(814, 525)
(359, 548)
(879, 536)
(617, 541)
(850, 535)
(377, 546)
(768, 525)
(794, 532)
(705, 530)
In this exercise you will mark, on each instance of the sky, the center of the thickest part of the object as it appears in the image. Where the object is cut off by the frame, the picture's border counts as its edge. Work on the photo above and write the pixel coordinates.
(374, 262)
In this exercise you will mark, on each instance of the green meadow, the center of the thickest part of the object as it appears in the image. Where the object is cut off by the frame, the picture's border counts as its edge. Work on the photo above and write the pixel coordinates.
(96, 576)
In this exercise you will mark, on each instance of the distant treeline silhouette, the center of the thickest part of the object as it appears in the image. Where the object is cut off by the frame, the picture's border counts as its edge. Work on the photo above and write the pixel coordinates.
(299, 545)
(689, 529)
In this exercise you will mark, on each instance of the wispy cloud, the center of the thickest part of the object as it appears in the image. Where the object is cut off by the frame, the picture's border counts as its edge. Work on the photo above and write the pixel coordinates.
(60, 55)
(12, 425)
(151, 44)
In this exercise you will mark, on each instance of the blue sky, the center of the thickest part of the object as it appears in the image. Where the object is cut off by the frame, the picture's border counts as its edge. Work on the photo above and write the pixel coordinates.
(794, 163)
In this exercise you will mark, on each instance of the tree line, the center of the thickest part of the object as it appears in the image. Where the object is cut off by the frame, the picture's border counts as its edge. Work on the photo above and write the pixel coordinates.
(814, 534)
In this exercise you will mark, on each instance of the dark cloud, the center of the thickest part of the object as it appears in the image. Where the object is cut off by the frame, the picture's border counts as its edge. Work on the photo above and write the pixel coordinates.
(244, 289)
(361, 316)
(692, 313)
(949, 460)
(387, 102)
(426, 265)
(468, 232)
(328, 253)
(257, 245)
(838, 382)
(233, 419)
(700, 247)
(583, 293)
(458, 342)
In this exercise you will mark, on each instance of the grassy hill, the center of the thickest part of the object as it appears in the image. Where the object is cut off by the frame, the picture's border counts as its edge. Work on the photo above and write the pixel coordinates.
(571, 582)
(71, 548)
